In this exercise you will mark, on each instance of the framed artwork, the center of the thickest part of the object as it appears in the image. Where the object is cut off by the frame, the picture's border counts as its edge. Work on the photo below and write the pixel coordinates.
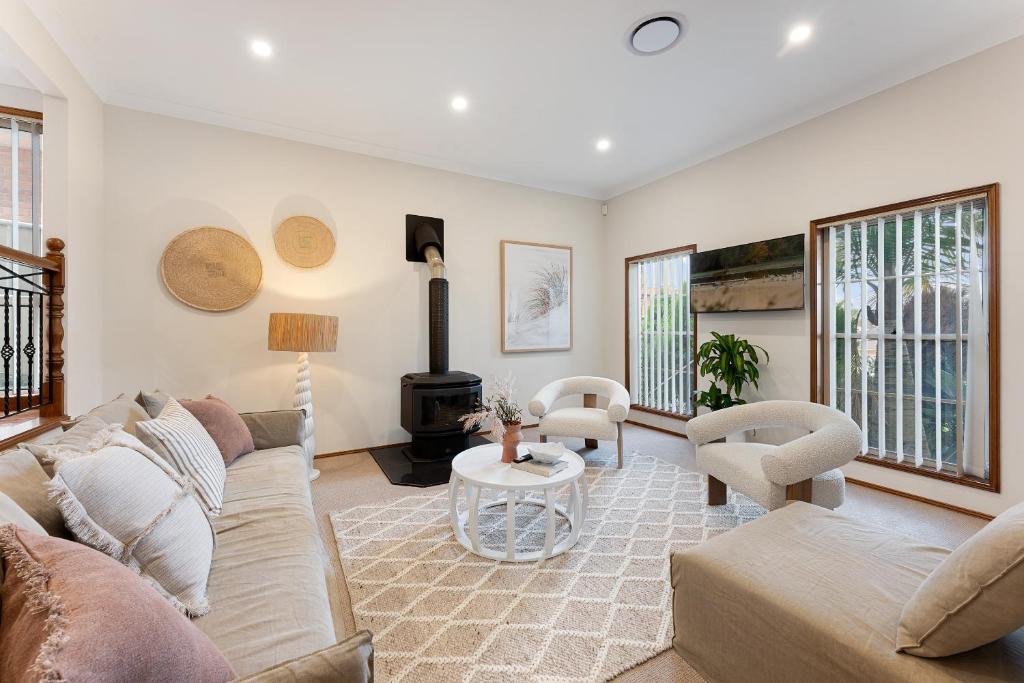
(536, 297)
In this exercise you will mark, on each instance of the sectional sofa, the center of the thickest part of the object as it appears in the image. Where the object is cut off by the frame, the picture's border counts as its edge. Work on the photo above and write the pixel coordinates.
(272, 614)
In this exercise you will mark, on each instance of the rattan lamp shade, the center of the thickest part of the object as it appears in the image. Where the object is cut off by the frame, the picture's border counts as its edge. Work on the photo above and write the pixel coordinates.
(302, 332)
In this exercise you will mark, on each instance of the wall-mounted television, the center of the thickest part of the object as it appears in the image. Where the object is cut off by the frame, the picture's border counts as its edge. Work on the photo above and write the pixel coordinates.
(760, 276)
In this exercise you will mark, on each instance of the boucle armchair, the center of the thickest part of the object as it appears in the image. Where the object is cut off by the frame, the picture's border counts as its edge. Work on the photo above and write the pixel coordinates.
(804, 469)
(589, 422)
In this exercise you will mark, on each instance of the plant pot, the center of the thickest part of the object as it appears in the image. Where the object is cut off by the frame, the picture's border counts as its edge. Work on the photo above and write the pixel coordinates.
(510, 442)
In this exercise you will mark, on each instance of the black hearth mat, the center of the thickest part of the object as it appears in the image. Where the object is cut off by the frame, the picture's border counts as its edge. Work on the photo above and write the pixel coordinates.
(401, 470)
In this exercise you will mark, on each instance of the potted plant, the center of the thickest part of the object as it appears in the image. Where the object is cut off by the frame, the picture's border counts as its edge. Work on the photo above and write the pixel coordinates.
(504, 415)
(732, 362)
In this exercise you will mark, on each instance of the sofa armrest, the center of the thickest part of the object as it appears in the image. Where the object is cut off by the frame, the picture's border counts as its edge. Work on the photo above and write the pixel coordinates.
(275, 428)
(350, 661)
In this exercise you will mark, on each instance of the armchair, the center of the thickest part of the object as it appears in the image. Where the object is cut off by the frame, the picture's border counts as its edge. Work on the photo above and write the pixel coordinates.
(804, 469)
(589, 422)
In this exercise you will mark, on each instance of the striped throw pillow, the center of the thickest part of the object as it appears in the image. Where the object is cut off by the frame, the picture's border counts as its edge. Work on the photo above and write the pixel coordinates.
(180, 439)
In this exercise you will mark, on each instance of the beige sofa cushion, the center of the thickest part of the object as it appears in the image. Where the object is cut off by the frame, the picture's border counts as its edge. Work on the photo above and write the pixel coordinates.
(152, 401)
(267, 590)
(11, 513)
(807, 594)
(275, 428)
(125, 501)
(350, 661)
(974, 597)
(121, 410)
(23, 479)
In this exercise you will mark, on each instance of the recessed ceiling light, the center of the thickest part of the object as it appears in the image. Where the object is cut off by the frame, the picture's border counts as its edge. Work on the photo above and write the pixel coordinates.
(261, 48)
(460, 103)
(603, 145)
(655, 34)
(799, 34)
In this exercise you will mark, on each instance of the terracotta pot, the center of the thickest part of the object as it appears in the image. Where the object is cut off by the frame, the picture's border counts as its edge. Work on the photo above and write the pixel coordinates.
(510, 441)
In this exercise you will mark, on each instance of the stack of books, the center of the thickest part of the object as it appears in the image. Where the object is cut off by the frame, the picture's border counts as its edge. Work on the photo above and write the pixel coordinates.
(542, 468)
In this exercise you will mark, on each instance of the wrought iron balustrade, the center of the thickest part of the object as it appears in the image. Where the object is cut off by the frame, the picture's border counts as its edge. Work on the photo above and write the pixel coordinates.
(31, 340)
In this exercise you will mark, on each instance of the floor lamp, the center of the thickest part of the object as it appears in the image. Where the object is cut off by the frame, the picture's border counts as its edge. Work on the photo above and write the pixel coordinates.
(305, 333)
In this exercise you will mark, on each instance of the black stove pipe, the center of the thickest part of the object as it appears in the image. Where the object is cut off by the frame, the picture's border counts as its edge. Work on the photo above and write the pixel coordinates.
(428, 244)
(438, 326)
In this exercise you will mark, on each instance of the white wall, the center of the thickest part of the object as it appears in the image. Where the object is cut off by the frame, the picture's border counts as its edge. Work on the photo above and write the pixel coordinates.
(20, 98)
(165, 175)
(957, 127)
(72, 188)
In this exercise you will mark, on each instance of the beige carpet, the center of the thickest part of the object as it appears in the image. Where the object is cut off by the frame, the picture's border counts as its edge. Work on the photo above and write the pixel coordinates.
(440, 613)
(351, 480)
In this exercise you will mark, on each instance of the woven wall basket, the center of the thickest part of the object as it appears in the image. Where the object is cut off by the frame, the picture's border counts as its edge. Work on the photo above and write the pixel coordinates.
(211, 269)
(304, 241)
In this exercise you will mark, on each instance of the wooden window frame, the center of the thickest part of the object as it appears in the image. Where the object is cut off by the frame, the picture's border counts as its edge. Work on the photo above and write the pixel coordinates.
(36, 116)
(687, 249)
(818, 338)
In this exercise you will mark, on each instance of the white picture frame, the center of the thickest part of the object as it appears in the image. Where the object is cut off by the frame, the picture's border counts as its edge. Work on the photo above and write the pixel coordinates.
(536, 297)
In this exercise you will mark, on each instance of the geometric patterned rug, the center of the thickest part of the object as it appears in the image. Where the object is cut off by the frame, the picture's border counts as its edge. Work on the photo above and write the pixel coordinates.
(440, 613)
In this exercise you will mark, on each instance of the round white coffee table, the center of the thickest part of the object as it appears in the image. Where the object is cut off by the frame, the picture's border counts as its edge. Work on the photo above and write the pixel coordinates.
(481, 468)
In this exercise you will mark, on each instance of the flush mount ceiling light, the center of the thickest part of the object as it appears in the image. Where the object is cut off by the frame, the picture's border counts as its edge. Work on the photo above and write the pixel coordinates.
(799, 34)
(655, 34)
(460, 103)
(261, 48)
(603, 145)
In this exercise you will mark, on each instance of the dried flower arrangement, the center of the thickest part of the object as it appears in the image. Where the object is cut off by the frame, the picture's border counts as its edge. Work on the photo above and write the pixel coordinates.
(500, 409)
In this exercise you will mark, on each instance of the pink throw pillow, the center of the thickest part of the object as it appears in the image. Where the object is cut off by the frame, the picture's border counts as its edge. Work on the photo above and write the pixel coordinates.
(70, 613)
(225, 426)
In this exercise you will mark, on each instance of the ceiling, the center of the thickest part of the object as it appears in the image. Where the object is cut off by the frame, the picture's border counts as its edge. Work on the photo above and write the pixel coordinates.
(544, 80)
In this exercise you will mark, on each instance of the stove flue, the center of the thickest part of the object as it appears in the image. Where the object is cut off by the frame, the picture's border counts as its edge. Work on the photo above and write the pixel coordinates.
(432, 402)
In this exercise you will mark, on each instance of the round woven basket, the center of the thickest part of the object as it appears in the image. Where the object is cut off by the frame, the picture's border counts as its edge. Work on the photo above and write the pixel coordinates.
(304, 241)
(211, 269)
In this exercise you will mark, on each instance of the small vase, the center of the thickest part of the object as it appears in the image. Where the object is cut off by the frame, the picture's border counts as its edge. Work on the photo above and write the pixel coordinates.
(510, 442)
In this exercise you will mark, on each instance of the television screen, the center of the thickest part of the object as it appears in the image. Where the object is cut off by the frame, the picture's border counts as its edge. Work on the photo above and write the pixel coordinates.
(760, 276)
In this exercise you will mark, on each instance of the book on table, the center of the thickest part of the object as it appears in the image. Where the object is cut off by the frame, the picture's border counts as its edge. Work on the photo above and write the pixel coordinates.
(542, 468)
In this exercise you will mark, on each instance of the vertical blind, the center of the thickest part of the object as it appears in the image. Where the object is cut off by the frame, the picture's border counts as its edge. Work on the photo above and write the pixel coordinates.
(661, 334)
(907, 326)
(21, 211)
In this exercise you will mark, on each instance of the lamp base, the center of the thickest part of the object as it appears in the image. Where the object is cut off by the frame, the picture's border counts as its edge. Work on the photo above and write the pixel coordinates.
(304, 401)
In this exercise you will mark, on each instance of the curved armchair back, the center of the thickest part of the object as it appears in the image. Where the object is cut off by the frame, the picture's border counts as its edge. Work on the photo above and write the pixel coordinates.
(618, 397)
(834, 439)
(763, 414)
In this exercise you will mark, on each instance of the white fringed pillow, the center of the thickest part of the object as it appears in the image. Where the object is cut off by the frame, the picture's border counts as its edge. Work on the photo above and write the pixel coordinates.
(125, 501)
(180, 439)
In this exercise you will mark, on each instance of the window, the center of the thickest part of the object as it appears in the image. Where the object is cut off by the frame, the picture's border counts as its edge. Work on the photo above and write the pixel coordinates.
(905, 335)
(660, 332)
(21, 209)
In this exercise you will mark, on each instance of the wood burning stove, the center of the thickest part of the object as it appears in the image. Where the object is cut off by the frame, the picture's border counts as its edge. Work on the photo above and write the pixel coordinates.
(432, 402)
(431, 408)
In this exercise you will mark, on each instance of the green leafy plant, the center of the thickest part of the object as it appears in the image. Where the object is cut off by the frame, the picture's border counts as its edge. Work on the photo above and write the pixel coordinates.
(731, 362)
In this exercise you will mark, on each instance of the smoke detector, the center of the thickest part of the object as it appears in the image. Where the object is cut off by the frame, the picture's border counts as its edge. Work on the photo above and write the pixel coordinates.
(656, 34)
